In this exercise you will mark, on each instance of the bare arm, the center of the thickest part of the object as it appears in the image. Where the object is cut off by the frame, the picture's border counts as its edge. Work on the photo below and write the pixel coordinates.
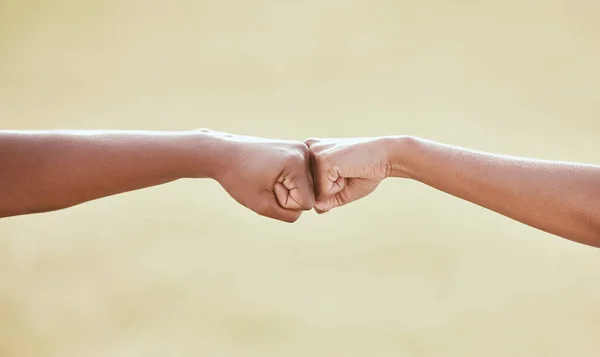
(557, 197)
(44, 171)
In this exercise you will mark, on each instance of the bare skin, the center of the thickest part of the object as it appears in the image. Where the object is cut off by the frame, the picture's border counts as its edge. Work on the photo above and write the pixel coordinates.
(50, 170)
(557, 197)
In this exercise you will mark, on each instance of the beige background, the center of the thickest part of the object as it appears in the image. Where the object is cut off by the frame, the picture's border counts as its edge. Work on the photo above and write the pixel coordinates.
(182, 270)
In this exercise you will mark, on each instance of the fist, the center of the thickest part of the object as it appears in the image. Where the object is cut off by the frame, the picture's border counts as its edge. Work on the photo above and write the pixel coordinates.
(270, 177)
(346, 170)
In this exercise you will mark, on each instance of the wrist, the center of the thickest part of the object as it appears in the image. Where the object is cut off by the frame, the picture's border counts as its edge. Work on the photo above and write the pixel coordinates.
(212, 153)
(200, 148)
(401, 152)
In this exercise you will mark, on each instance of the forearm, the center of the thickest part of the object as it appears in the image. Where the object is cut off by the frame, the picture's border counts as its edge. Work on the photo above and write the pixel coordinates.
(45, 171)
(559, 198)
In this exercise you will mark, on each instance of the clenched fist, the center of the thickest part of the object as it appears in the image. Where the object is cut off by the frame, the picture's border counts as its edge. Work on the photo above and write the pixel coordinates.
(270, 177)
(42, 171)
(346, 170)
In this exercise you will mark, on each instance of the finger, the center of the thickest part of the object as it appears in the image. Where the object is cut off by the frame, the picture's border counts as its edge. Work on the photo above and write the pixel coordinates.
(283, 197)
(281, 194)
(303, 190)
(295, 190)
(275, 211)
(328, 184)
(337, 186)
(326, 205)
(327, 180)
(319, 211)
(301, 197)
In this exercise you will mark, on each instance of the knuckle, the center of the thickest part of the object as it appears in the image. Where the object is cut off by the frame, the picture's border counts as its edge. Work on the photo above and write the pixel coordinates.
(311, 141)
(321, 159)
(306, 200)
(298, 154)
(302, 148)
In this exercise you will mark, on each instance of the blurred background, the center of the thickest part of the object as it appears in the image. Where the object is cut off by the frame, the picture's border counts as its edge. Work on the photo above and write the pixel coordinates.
(183, 270)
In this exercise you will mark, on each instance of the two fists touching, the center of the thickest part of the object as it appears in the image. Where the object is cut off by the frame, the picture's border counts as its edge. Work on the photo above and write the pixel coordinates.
(281, 179)
(42, 171)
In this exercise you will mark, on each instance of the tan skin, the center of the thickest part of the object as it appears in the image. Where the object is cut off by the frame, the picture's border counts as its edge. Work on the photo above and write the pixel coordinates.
(559, 198)
(51, 170)
(46, 171)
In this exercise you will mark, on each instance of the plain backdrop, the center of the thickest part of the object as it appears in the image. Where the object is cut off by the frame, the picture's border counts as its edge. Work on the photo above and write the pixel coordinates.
(183, 270)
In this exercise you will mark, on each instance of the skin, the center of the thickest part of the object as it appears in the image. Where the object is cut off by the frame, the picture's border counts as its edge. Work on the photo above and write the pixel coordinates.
(50, 170)
(557, 197)
(44, 171)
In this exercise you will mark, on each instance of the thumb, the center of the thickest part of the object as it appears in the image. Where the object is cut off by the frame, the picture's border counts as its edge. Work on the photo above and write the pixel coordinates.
(328, 181)
(327, 204)
(354, 189)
